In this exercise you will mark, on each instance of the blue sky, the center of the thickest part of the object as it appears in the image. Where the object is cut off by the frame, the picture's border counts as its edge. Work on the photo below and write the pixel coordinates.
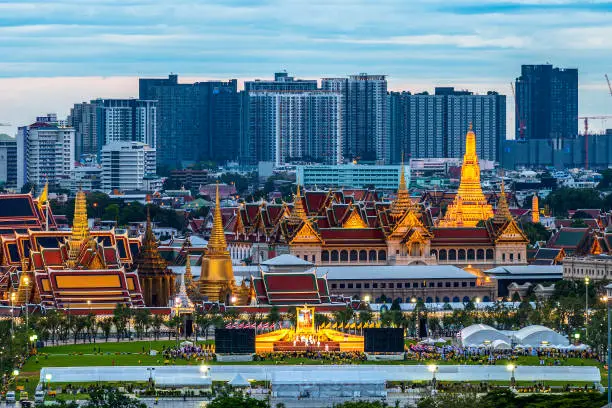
(54, 53)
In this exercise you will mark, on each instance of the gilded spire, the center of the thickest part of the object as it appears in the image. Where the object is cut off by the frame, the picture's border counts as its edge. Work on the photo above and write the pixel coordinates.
(188, 274)
(298, 213)
(503, 212)
(217, 243)
(470, 201)
(80, 228)
(402, 202)
(535, 209)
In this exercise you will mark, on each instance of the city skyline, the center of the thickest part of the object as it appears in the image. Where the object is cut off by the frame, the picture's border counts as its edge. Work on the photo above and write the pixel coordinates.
(56, 54)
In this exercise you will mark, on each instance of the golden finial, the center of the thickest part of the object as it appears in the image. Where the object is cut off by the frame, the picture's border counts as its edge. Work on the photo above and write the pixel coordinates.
(217, 242)
(188, 274)
(471, 127)
(535, 208)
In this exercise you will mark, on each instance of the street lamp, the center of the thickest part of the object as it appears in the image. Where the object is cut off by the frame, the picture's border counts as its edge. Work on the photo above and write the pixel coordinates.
(511, 368)
(366, 298)
(26, 281)
(48, 379)
(416, 317)
(433, 369)
(608, 359)
(586, 307)
(233, 299)
(13, 295)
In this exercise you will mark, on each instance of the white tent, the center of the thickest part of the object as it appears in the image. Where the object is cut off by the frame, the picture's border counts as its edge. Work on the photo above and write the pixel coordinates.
(239, 381)
(500, 345)
(539, 335)
(481, 334)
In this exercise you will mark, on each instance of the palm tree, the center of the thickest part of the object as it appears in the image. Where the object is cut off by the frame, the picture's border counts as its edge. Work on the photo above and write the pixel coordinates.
(120, 319)
(78, 325)
(90, 326)
(53, 322)
(106, 325)
(142, 321)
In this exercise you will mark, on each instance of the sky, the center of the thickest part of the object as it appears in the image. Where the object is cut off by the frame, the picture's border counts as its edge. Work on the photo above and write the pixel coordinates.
(54, 53)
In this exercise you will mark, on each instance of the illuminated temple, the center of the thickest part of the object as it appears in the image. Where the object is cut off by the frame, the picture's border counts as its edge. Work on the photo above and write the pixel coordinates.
(355, 227)
(84, 269)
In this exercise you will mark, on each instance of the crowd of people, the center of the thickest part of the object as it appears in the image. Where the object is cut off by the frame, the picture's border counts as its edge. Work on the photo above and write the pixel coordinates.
(341, 357)
(188, 352)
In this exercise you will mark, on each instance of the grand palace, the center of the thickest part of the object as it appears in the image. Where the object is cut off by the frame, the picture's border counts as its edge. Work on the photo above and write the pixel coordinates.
(355, 227)
(325, 248)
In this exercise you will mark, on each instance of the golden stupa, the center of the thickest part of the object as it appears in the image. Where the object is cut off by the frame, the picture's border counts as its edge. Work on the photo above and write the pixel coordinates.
(217, 275)
(298, 213)
(402, 202)
(470, 205)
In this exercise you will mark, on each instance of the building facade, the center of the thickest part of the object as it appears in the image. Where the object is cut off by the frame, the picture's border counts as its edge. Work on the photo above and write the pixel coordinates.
(433, 126)
(8, 161)
(594, 267)
(366, 135)
(547, 99)
(296, 125)
(125, 165)
(194, 119)
(45, 152)
(352, 176)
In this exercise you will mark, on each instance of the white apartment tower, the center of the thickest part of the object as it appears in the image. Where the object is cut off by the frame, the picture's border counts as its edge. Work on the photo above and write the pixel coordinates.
(125, 165)
(45, 152)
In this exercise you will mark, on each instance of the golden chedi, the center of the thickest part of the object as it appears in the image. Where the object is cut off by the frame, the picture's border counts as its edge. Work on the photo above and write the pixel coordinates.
(470, 204)
(217, 276)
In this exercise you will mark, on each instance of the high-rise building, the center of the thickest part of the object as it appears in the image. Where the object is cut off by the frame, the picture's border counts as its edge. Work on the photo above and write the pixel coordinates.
(109, 120)
(126, 164)
(547, 100)
(45, 151)
(194, 119)
(8, 161)
(282, 82)
(366, 133)
(433, 126)
(302, 125)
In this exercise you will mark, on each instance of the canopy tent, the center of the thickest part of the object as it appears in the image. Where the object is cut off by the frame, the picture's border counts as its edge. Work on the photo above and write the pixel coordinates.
(481, 334)
(500, 345)
(537, 336)
(239, 381)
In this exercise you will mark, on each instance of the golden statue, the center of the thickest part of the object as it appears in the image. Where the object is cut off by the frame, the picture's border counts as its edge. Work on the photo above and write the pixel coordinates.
(470, 202)
(217, 276)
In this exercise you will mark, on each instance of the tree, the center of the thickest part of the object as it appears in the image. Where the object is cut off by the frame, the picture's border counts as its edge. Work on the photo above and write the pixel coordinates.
(111, 213)
(78, 325)
(111, 398)
(450, 400)
(121, 315)
(564, 199)
(535, 232)
(274, 315)
(156, 324)
(105, 325)
(142, 321)
(236, 401)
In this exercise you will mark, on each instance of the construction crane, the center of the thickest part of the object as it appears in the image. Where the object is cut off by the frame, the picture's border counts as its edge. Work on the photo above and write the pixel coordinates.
(609, 86)
(521, 137)
(5, 124)
(586, 135)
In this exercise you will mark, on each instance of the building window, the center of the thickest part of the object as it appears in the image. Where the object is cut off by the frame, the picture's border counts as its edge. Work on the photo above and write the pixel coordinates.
(407, 285)
(432, 284)
(423, 284)
(353, 255)
(383, 285)
(305, 257)
(372, 255)
(350, 286)
(382, 255)
(391, 285)
(472, 284)
(439, 284)
(334, 256)
(366, 286)
(358, 286)
(442, 255)
(325, 256)
(342, 286)
(455, 284)
(447, 284)
(398, 285)
(343, 255)
(480, 254)
(504, 257)
(489, 254)
(314, 259)
(452, 255)
(461, 256)
(375, 286)
(334, 286)
(470, 255)
(363, 255)
(464, 284)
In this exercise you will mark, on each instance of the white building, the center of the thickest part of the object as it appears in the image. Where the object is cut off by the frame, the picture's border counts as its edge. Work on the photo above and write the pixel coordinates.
(45, 152)
(86, 178)
(297, 125)
(125, 165)
(352, 176)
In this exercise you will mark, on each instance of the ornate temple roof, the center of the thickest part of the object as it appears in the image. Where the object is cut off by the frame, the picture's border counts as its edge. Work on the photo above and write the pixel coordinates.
(149, 262)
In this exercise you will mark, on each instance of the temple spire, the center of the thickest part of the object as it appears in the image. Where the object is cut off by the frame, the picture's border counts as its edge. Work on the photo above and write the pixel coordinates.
(503, 211)
(188, 274)
(535, 209)
(217, 242)
(402, 202)
(298, 213)
(80, 228)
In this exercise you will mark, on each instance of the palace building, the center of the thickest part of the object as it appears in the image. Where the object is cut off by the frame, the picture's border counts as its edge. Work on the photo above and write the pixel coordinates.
(355, 227)
(77, 269)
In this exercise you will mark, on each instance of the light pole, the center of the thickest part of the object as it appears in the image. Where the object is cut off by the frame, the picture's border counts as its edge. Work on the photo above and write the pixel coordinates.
(511, 368)
(608, 359)
(416, 317)
(433, 369)
(48, 379)
(586, 308)
(26, 281)
(13, 294)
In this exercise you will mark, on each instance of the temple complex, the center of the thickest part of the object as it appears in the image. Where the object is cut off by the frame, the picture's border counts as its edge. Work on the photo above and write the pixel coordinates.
(78, 269)
(470, 205)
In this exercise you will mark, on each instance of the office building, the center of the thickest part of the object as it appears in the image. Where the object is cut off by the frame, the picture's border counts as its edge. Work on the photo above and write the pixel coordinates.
(125, 166)
(296, 125)
(103, 121)
(433, 126)
(8, 161)
(352, 176)
(45, 151)
(366, 135)
(86, 178)
(547, 99)
(198, 121)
